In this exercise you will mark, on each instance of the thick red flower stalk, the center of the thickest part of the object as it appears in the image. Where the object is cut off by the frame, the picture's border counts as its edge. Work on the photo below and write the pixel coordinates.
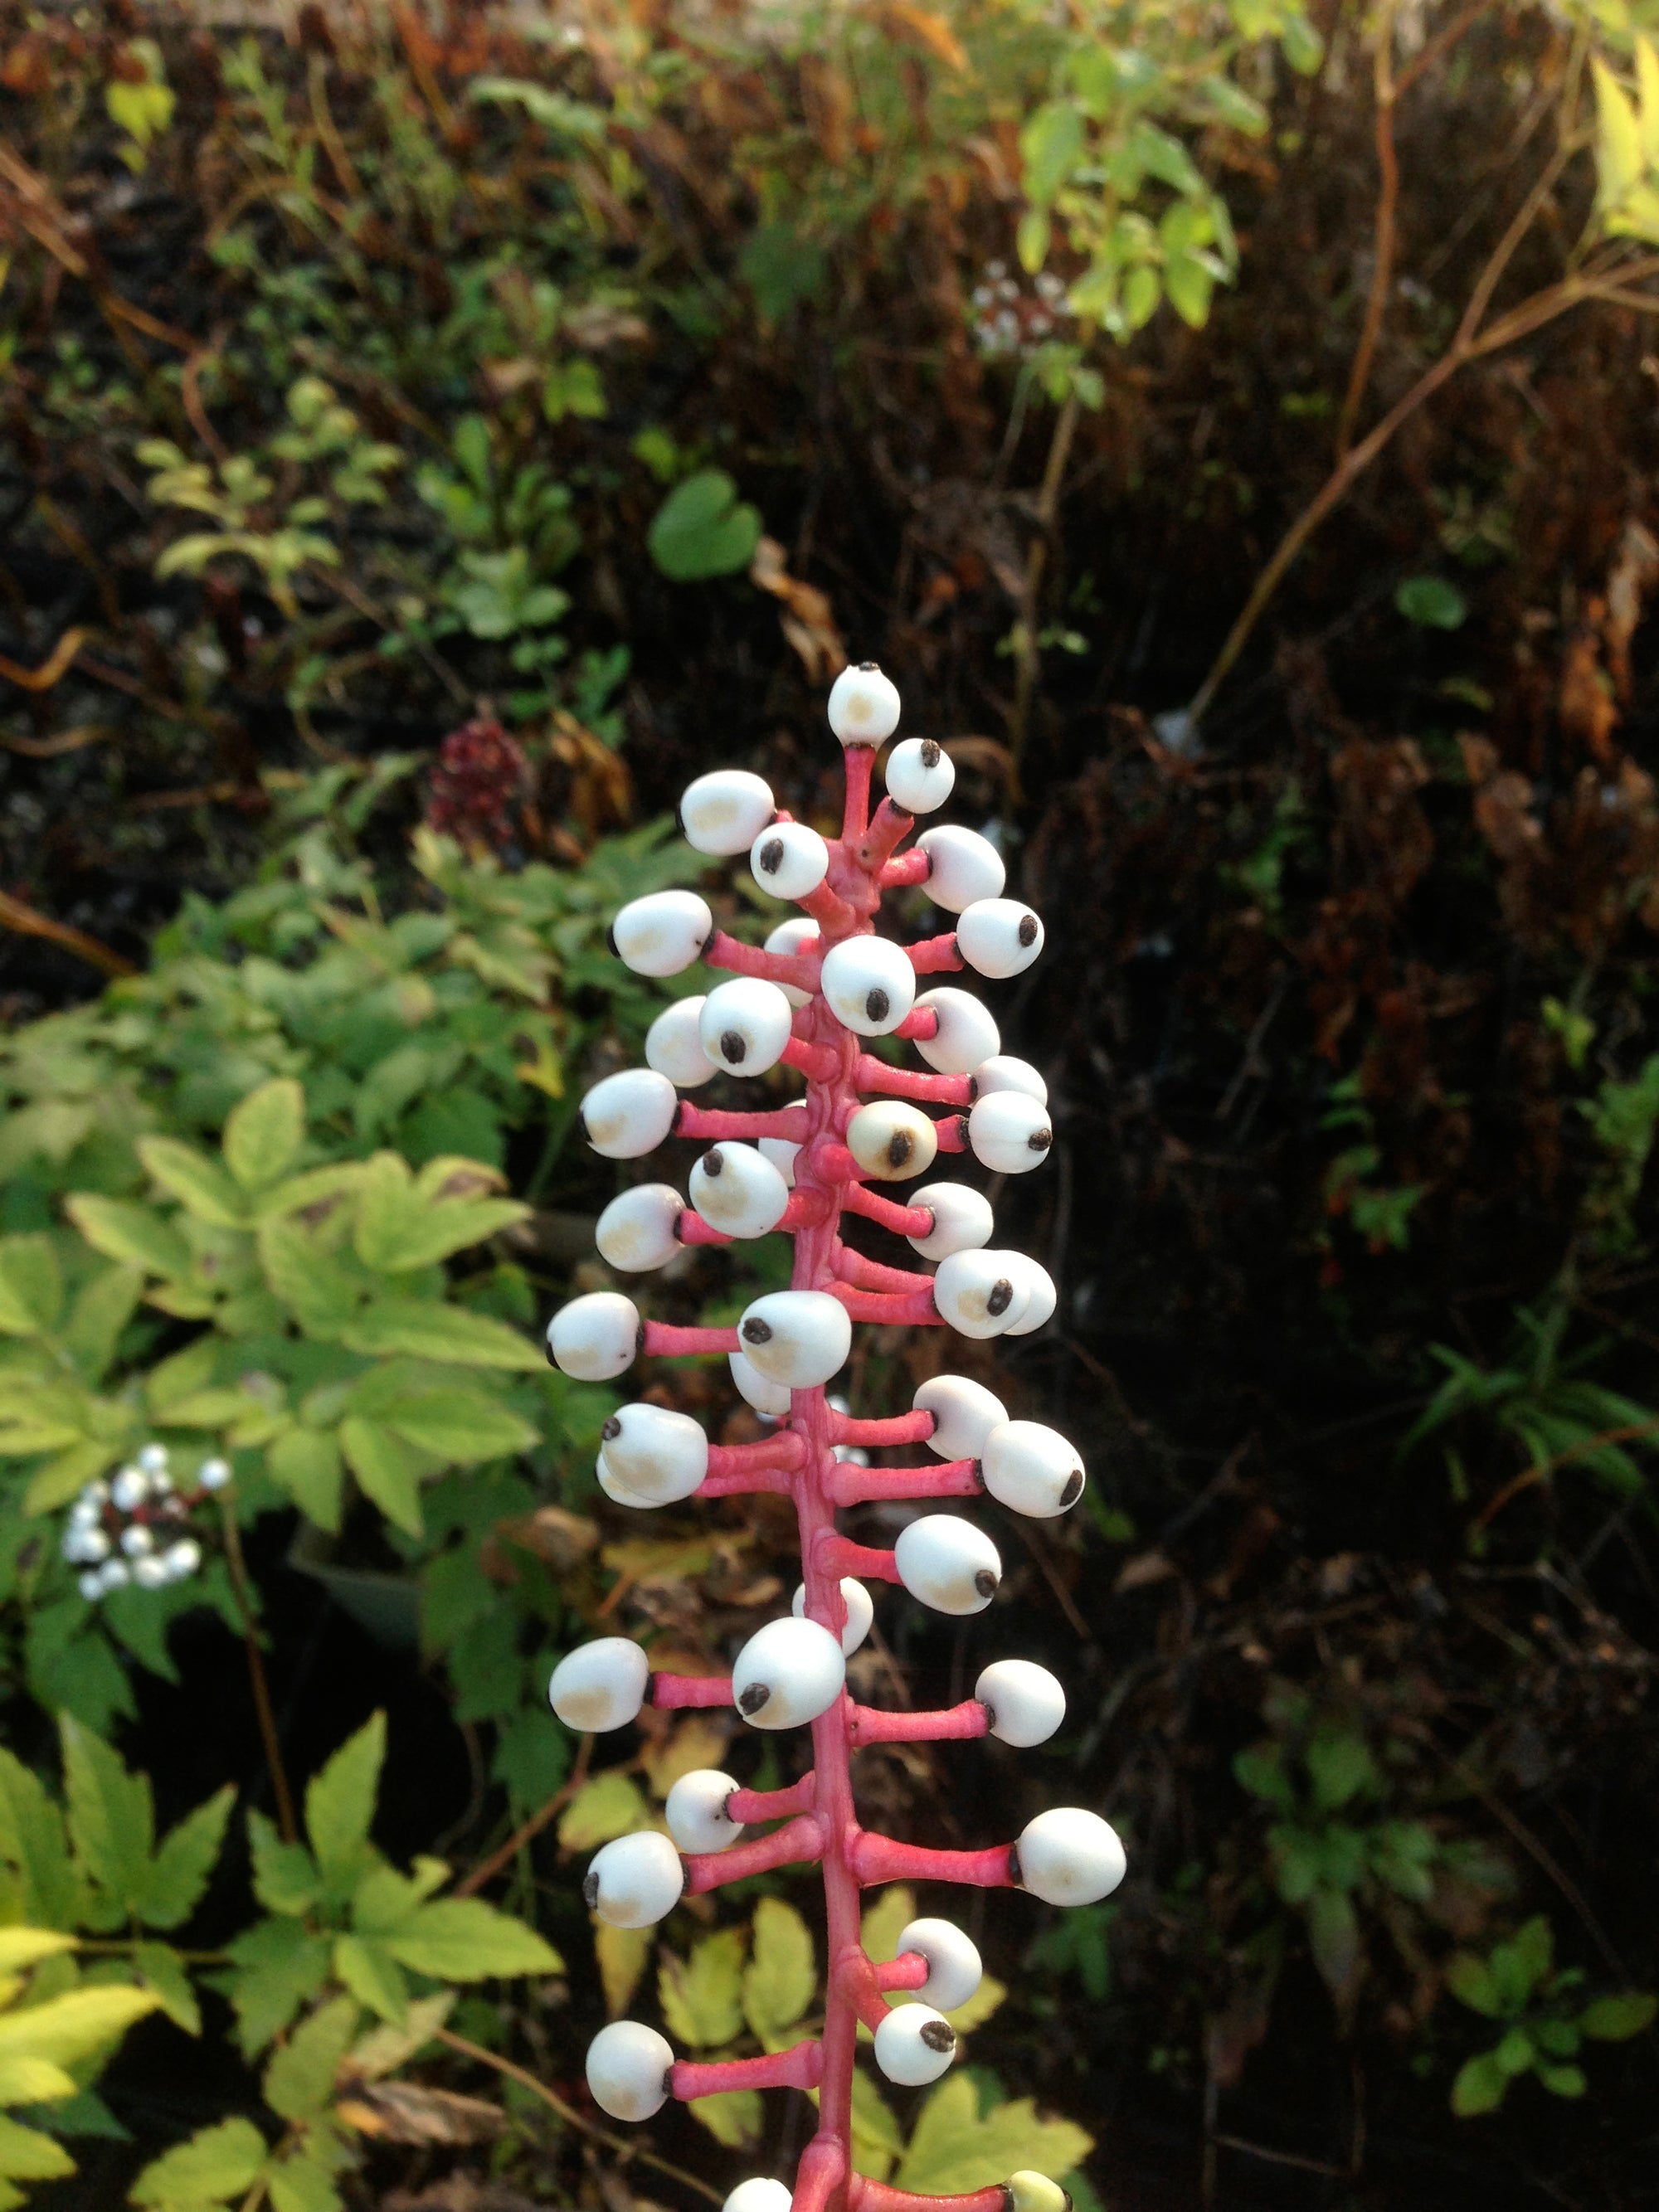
(793, 1674)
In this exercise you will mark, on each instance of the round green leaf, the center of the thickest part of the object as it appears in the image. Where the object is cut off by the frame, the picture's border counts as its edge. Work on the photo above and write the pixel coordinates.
(703, 529)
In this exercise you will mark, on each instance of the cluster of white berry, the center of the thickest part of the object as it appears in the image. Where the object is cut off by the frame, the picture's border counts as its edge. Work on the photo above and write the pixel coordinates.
(1009, 321)
(134, 1529)
(818, 977)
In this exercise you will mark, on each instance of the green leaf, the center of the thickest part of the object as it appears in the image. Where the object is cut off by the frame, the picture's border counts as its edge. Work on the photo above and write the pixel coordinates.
(111, 1819)
(610, 1805)
(732, 2117)
(1339, 1767)
(27, 1947)
(1471, 1982)
(307, 1462)
(372, 1976)
(1189, 281)
(285, 1877)
(201, 1185)
(265, 1131)
(703, 529)
(301, 2183)
(185, 1857)
(1519, 1966)
(458, 1424)
(390, 1471)
(217, 2164)
(1614, 2020)
(1619, 159)
(1431, 602)
(1032, 238)
(401, 1225)
(781, 268)
(701, 1997)
(1051, 146)
(462, 1939)
(1334, 1938)
(299, 2080)
(31, 1287)
(33, 1840)
(425, 1330)
(160, 1965)
(307, 1277)
(1260, 1769)
(954, 2148)
(781, 1976)
(66, 2029)
(340, 1804)
(277, 1965)
(103, 1306)
(885, 1922)
(25, 2154)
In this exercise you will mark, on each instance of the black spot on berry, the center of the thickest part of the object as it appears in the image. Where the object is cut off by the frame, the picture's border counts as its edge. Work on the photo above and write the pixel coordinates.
(939, 2035)
(899, 1148)
(591, 1890)
(712, 1162)
(1073, 1489)
(611, 1429)
(771, 855)
(1040, 1139)
(755, 1331)
(877, 1005)
(1001, 1298)
(752, 1699)
(930, 752)
(1028, 929)
(986, 1583)
(869, 668)
(733, 1048)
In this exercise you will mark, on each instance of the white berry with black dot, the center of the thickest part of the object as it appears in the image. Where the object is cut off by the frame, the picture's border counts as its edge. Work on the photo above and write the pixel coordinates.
(946, 1563)
(744, 1025)
(790, 860)
(628, 2069)
(962, 1219)
(737, 1190)
(999, 937)
(961, 867)
(864, 705)
(914, 2045)
(788, 1674)
(629, 1114)
(696, 1811)
(1023, 1703)
(869, 983)
(639, 1230)
(955, 1969)
(967, 1037)
(600, 1686)
(662, 933)
(723, 813)
(920, 775)
(1068, 1856)
(673, 1045)
(796, 1338)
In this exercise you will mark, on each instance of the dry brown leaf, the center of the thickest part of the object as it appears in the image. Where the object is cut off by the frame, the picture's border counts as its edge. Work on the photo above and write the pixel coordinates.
(807, 618)
(404, 2112)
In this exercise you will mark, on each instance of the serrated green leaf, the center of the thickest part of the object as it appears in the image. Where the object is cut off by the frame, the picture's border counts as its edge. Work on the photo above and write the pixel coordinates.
(217, 2164)
(782, 1978)
(184, 1858)
(463, 1427)
(299, 2080)
(389, 1470)
(31, 1287)
(66, 2029)
(462, 1939)
(732, 2117)
(300, 2183)
(955, 2148)
(400, 1226)
(307, 1277)
(372, 1976)
(159, 1966)
(102, 1308)
(25, 2154)
(264, 1132)
(307, 1464)
(277, 1965)
(340, 1804)
(200, 1184)
(702, 1997)
(610, 1805)
(424, 1329)
(111, 1820)
(33, 1840)
(285, 1877)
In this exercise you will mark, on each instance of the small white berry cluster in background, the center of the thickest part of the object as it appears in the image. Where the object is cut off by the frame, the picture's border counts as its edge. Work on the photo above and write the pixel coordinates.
(134, 1529)
(812, 998)
(1009, 321)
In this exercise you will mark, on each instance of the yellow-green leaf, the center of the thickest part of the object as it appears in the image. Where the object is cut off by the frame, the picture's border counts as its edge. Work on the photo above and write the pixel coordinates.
(955, 2148)
(892, 1910)
(25, 2154)
(610, 1805)
(217, 2163)
(733, 2116)
(71, 2028)
(201, 1185)
(22, 1947)
(702, 1997)
(426, 1330)
(389, 1470)
(781, 1976)
(1619, 139)
(31, 1287)
(264, 1132)
(622, 1954)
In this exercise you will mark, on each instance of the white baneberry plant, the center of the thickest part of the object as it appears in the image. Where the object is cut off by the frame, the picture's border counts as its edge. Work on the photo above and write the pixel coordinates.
(822, 985)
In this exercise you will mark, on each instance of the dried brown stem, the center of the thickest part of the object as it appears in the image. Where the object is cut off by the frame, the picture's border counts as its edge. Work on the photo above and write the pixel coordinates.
(486, 1869)
(286, 1823)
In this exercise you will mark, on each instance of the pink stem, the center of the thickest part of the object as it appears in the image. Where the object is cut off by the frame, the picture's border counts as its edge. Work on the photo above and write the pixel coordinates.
(908, 1972)
(867, 1274)
(814, 1061)
(951, 1133)
(668, 1340)
(946, 1477)
(873, 1075)
(797, 1841)
(921, 1022)
(842, 1556)
(867, 2195)
(858, 763)
(933, 953)
(893, 1429)
(800, 2067)
(902, 1220)
(831, 913)
(800, 969)
(869, 1726)
(915, 1311)
(783, 1450)
(692, 1229)
(787, 1122)
(909, 868)
(691, 1689)
(774, 1481)
(748, 1805)
(878, 1859)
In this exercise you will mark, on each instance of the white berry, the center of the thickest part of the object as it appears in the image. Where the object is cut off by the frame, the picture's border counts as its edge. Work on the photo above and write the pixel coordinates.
(891, 1140)
(723, 812)
(629, 1114)
(154, 1459)
(736, 1189)
(1068, 1856)
(596, 1338)
(90, 1585)
(966, 1038)
(864, 705)
(797, 1338)
(639, 1228)
(744, 1025)
(1009, 1132)
(914, 2045)
(789, 859)
(1002, 1072)
(964, 1413)
(673, 1045)
(788, 1674)
(183, 1558)
(1041, 1296)
(600, 1686)
(860, 1611)
(627, 2068)
(955, 1970)
(152, 1572)
(948, 1563)
(618, 1491)
(213, 1473)
(781, 1152)
(921, 775)
(136, 1540)
(759, 2194)
(1026, 2192)
(1025, 1704)
(961, 867)
(130, 1488)
(663, 933)
(981, 1293)
(796, 935)
(765, 1395)
(962, 1219)
(114, 1574)
(633, 1881)
(869, 983)
(655, 1451)
(696, 1814)
(999, 937)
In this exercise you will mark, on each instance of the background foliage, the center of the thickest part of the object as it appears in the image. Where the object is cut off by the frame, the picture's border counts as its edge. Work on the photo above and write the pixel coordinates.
(429, 438)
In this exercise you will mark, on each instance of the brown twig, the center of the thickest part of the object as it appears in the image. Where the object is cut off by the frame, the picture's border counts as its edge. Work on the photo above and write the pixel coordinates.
(66, 741)
(1626, 1433)
(27, 922)
(571, 2117)
(286, 1823)
(486, 1869)
(1388, 200)
(1037, 559)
